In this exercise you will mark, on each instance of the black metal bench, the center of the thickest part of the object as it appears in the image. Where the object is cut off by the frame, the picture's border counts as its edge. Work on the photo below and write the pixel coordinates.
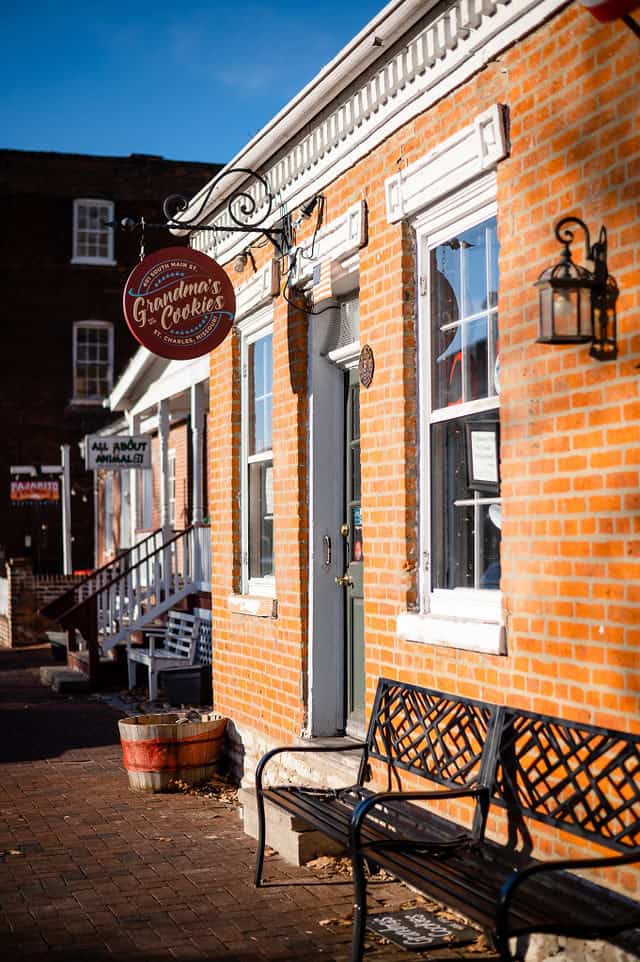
(579, 779)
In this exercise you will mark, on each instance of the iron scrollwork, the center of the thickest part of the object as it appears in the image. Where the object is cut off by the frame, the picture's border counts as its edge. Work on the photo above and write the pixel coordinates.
(245, 211)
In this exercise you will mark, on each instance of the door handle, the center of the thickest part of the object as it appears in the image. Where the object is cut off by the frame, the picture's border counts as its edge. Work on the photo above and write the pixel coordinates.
(344, 581)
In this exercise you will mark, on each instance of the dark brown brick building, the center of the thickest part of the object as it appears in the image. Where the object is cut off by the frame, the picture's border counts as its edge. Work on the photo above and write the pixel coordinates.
(63, 340)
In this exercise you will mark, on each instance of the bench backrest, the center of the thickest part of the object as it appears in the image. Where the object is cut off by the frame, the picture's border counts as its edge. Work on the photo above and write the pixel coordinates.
(203, 644)
(579, 778)
(182, 634)
(447, 739)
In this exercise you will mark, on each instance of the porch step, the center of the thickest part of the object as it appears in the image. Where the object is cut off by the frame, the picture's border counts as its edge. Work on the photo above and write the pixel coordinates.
(289, 835)
(64, 680)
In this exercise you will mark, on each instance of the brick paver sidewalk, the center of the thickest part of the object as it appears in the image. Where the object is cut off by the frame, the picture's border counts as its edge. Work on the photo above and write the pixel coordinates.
(91, 871)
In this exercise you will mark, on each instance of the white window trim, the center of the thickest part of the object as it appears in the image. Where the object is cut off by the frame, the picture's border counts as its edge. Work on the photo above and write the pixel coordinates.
(83, 259)
(102, 325)
(463, 618)
(252, 329)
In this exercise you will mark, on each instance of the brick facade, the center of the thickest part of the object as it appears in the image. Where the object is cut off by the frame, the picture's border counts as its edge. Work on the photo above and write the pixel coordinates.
(569, 425)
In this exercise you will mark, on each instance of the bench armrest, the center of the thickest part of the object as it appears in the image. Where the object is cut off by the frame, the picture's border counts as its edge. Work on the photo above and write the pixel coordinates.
(362, 809)
(520, 877)
(356, 746)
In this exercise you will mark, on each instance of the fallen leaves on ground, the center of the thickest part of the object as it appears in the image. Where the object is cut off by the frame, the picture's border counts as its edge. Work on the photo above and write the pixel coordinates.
(217, 787)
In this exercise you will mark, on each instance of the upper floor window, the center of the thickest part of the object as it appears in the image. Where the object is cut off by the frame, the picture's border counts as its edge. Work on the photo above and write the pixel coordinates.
(92, 361)
(257, 551)
(92, 237)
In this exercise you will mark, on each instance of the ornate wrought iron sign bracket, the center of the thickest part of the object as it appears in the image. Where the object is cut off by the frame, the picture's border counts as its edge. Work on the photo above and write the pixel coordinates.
(245, 212)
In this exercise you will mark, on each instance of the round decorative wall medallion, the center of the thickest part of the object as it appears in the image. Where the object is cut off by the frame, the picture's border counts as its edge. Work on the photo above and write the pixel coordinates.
(366, 365)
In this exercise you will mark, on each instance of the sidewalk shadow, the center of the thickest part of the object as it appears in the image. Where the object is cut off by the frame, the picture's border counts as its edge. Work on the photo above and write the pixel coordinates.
(37, 723)
(36, 732)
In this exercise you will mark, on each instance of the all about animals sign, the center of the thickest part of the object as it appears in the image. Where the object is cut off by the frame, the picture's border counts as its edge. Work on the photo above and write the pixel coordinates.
(117, 452)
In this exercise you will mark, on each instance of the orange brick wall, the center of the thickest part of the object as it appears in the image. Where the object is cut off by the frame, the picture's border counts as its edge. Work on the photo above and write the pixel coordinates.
(570, 426)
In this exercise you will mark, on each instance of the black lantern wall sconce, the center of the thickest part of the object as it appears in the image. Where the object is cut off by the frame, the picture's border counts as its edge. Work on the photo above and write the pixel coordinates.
(578, 304)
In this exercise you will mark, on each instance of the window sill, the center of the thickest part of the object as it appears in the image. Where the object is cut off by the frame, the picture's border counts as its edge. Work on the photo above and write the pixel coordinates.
(468, 634)
(253, 605)
(94, 261)
(85, 402)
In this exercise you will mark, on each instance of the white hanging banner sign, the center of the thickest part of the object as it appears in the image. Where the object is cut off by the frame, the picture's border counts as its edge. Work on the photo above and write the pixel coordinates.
(117, 452)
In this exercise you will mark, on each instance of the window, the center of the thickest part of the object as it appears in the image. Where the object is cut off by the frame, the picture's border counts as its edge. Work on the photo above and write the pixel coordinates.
(460, 508)
(464, 418)
(258, 463)
(92, 361)
(92, 237)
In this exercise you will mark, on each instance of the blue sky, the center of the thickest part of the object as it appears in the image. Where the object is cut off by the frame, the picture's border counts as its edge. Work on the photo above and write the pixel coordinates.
(190, 81)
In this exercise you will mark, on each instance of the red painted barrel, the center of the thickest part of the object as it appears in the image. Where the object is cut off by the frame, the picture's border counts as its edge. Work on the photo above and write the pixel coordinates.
(160, 751)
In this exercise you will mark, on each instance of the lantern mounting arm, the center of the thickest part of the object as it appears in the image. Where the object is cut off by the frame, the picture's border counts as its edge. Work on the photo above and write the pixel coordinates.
(596, 253)
(243, 210)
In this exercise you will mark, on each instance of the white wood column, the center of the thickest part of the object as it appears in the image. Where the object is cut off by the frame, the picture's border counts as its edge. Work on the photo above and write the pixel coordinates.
(133, 422)
(163, 434)
(197, 438)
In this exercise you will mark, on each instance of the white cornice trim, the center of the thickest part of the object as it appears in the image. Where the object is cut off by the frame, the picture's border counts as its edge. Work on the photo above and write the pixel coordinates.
(470, 152)
(434, 60)
(346, 357)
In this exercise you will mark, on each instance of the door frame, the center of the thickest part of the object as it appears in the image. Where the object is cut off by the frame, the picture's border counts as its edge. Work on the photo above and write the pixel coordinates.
(325, 682)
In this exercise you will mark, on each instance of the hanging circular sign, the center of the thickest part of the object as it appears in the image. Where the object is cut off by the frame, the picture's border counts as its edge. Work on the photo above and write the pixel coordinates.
(179, 303)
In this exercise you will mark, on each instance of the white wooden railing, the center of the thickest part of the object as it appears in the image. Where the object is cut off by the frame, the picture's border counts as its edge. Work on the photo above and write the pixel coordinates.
(152, 584)
(148, 588)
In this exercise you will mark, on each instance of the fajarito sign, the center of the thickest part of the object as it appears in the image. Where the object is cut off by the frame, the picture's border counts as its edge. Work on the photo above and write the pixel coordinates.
(179, 303)
(117, 452)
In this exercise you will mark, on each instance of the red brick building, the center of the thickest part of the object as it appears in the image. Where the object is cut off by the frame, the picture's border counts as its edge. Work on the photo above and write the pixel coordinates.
(63, 341)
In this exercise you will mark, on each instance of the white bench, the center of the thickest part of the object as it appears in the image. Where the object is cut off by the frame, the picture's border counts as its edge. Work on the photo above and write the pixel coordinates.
(178, 649)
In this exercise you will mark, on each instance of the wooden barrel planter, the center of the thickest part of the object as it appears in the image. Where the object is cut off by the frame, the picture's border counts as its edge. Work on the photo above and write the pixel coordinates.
(160, 751)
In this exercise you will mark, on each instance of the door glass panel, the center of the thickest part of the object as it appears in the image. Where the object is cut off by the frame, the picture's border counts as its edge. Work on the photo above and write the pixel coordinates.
(356, 534)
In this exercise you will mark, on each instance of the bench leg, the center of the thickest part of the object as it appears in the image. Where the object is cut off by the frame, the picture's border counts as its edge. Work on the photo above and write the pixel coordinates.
(359, 906)
(261, 833)
(131, 669)
(153, 684)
